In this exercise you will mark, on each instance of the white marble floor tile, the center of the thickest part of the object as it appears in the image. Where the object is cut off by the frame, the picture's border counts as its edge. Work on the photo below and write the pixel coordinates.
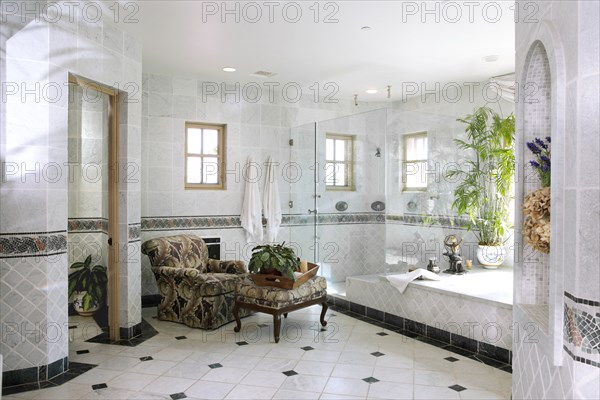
(188, 370)
(225, 375)
(321, 355)
(276, 364)
(284, 394)
(356, 371)
(398, 375)
(209, 390)
(318, 368)
(434, 392)
(130, 381)
(347, 386)
(95, 376)
(264, 379)
(391, 390)
(153, 367)
(168, 385)
(246, 392)
(305, 383)
(119, 363)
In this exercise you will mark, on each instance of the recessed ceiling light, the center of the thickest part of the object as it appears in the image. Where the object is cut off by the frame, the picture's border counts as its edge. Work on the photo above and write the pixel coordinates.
(229, 69)
(371, 91)
(365, 28)
(491, 58)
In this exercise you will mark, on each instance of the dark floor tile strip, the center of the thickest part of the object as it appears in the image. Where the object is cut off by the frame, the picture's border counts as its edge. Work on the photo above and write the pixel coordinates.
(75, 369)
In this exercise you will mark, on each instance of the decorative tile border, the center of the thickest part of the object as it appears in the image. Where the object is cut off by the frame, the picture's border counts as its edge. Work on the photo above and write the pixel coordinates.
(88, 225)
(133, 233)
(234, 221)
(444, 221)
(34, 244)
(581, 329)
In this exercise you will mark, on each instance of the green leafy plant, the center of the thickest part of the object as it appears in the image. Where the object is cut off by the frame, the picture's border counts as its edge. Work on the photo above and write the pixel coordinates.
(486, 179)
(90, 279)
(276, 257)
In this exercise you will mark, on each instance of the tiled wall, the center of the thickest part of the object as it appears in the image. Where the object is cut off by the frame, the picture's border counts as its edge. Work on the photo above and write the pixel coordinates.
(563, 363)
(38, 55)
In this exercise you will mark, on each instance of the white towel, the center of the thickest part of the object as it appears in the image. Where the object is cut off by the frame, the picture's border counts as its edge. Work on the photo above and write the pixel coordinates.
(271, 202)
(251, 209)
(401, 281)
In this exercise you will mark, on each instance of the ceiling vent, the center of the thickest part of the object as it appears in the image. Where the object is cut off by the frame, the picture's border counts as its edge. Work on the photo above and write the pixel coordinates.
(263, 74)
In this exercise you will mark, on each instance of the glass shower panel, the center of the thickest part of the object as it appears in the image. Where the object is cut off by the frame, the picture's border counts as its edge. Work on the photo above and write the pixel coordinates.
(302, 206)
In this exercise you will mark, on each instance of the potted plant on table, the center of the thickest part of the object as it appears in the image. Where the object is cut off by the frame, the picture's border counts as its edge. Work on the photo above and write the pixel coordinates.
(276, 259)
(483, 193)
(87, 286)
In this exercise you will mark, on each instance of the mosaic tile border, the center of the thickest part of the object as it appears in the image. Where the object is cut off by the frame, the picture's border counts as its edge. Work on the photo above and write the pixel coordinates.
(443, 221)
(234, 221)
(35, 244)
(134, 232)
(581, 329)
(88, 225)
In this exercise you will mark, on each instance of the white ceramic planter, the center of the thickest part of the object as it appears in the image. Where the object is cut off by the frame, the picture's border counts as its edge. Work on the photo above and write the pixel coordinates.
(78, 305)
(491, 257)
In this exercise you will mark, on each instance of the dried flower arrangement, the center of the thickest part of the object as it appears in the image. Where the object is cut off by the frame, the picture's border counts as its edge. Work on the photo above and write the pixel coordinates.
(536, 228)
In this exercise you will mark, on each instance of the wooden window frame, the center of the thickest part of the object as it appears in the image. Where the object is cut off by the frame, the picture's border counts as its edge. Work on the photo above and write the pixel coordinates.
(222, 130)
(407, 161)
(349, 163)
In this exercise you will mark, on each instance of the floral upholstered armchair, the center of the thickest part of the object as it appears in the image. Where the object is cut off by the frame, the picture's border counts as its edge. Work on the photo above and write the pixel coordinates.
(195, 290)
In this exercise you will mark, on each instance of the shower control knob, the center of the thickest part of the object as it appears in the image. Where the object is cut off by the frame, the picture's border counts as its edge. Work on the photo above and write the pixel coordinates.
(312, 211)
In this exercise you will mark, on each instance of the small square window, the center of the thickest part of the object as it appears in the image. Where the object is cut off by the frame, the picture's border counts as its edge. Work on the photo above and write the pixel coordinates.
(204, 156)
(339, 162)
(414, 166)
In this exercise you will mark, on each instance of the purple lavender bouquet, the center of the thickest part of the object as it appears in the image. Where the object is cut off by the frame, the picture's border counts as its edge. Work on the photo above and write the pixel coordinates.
(541, 150)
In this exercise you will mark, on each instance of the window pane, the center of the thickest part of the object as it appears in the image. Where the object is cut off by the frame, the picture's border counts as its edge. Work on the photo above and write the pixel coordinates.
(210, 172)
(340, 175)
(194, 140)
(194, 170)
(340, 150)
(420, 149)
(330, 174)
(415, 174)
(211, 141)
(329, 149)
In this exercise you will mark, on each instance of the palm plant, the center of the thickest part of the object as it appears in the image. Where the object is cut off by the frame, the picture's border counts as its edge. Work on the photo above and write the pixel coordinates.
(483, 193)
(90, 279)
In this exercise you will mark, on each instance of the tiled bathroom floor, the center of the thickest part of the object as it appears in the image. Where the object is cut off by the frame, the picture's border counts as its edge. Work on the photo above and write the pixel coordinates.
(352, 359)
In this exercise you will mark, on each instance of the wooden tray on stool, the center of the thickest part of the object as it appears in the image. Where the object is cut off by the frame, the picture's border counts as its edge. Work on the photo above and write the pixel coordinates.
(285, 282)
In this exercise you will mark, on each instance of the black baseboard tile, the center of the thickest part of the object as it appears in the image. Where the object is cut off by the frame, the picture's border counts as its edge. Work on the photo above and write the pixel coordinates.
(438, 334)
(374, 314)
(358, 308)
(394, 320)
(497, 353)
(21, 376)
(150, 300)
(464, 342)
(342, 303)
(416, 327)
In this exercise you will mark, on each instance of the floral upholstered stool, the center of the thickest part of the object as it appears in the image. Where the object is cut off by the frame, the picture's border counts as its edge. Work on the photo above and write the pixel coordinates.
(277, 301)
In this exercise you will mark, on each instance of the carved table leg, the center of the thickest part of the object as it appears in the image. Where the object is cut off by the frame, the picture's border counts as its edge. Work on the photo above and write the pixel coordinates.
(323, 311)
(236, 315)
(276, 326)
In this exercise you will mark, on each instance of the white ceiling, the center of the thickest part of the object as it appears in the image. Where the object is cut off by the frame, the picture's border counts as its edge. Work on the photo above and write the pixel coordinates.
(393, 52)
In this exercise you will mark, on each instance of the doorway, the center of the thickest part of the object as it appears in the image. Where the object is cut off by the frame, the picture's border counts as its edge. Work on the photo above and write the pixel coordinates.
(93, 191)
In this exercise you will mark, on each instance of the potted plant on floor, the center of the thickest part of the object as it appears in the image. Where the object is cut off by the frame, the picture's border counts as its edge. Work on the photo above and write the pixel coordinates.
(87, 286)
(483, 193)
(276, 259)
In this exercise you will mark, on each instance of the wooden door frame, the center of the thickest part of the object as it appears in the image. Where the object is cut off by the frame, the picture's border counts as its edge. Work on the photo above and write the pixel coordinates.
(113, 293)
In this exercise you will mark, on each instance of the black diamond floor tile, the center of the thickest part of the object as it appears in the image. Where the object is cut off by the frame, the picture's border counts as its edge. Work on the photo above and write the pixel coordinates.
(307, 348)
(82, 351)
(382, 334)
(457, 388)
(451, 359)
(241, 343)
(216, 365)
(180, 338)
(290, 373)
(377, 354)
(146, 358)
(99, 386)
(371, 379)
(177, 396)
